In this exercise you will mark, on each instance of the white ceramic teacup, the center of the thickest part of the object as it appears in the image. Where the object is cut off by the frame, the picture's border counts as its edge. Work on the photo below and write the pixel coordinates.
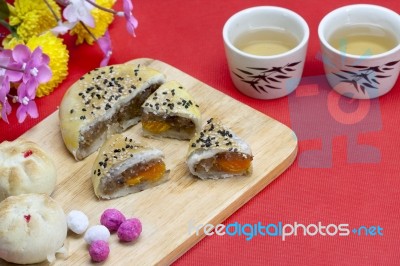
(363, 76)
(266, 77)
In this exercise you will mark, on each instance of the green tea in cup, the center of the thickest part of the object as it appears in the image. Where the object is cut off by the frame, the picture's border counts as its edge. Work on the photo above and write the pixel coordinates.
(363, 39)
(266, 41)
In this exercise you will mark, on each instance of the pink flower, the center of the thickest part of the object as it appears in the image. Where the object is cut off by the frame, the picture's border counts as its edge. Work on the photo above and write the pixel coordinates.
(131, 21)
(27, 103)
(34, 67)
(105, 46)
(79, 10)
(4, 91)
(62, 28)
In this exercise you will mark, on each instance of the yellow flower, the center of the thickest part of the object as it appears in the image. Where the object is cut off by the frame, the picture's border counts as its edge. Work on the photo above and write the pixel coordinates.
(102, 20)
(33, 17)
(58, 53)
(10, 42)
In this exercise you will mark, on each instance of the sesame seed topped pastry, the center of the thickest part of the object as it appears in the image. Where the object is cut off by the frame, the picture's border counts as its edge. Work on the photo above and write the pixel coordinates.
(124, 166)
(217, 152)
(106, 100)
(25, 168)
(171, 112)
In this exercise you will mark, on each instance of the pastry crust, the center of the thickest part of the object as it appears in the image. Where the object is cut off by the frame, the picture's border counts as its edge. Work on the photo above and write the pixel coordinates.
(25, 168)
(33, 227)
(116, 163)
(104, 101)
(216, 140)
(173, 107)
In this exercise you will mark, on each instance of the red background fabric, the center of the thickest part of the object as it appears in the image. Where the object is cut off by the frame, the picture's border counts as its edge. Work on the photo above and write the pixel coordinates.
(342, 185)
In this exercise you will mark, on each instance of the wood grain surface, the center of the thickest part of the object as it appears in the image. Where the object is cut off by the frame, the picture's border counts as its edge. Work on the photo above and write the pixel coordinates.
(168, 210)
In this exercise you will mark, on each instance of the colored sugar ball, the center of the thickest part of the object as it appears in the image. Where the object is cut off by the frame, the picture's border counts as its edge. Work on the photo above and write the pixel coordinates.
(112, 219)
(129, 230)
(99, 250)
(77, 221)
(96, 232)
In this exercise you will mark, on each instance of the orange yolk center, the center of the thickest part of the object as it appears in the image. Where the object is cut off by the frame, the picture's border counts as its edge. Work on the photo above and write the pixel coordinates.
(152, 173)
(155, 126)
(233, 162)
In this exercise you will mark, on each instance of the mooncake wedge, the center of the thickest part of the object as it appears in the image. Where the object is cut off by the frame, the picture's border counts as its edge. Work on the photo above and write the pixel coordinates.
(171, 112)
(105, 101)
(124, 166)
(217, 152)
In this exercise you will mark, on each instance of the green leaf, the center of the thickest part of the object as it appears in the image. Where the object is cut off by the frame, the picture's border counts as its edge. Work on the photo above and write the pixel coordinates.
(4, 11)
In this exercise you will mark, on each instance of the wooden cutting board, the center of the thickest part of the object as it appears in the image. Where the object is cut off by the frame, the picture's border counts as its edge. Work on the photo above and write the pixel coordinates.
(167, 211)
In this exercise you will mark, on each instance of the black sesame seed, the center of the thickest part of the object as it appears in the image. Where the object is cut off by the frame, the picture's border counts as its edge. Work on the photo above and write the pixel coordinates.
(71, 111)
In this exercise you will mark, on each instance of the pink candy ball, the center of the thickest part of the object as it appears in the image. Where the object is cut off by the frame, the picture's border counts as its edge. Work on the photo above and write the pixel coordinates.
(129, 230)
(99, 250)
(112, 219)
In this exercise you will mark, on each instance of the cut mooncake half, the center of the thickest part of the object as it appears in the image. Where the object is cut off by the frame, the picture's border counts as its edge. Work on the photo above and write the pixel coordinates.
(217, 152)
(171, 112)
(124, 166)
(105, 101)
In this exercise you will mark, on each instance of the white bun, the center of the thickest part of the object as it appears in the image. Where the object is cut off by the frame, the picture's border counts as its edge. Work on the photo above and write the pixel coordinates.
(25, 168)
(32, 228)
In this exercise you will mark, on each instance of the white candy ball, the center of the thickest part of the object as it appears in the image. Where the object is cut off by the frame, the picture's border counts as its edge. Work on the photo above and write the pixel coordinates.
(97, 232)
(77, 221)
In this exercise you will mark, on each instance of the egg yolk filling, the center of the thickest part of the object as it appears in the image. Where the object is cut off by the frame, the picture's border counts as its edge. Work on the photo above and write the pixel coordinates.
(227, 162)
(151, 171)
(157, 124)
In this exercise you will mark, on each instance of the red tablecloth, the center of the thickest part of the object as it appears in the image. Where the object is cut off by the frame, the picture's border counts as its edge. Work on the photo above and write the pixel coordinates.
(343, 174)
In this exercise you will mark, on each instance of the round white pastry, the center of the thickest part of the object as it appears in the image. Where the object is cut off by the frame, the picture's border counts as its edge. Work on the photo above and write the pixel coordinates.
(96, 232)
(25, 168)
(77, 221)
(33, 228)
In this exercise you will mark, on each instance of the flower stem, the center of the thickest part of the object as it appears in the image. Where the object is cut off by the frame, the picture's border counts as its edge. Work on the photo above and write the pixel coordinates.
(52, 11)
(12, 69)
(102, 8)
(87, 29)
